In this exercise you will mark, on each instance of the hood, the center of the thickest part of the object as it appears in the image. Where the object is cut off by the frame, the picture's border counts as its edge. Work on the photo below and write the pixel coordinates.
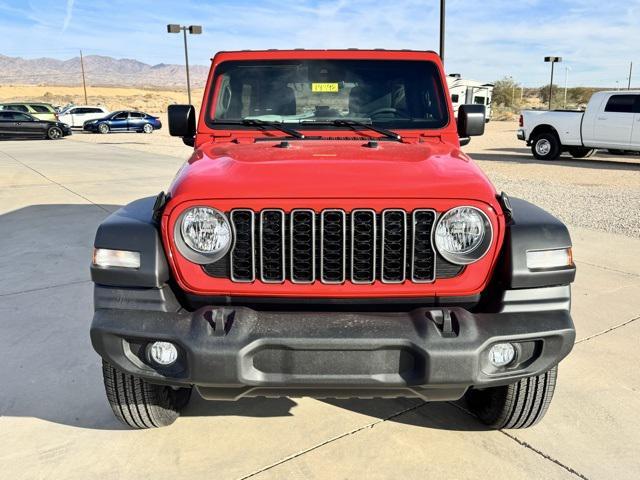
(331, 169)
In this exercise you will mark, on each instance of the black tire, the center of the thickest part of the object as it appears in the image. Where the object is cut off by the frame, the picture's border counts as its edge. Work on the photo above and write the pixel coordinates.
(546, 147)
(581, 152)
(140, 404)
(519, 405)
(103, 128)
(54, 133)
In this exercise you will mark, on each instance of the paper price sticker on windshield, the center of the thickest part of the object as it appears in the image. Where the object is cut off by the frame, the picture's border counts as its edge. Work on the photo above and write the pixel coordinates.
(324, 87)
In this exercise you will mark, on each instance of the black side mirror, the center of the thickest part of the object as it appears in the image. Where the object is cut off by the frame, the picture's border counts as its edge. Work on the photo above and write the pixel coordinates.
(471, 121)
(182, 123)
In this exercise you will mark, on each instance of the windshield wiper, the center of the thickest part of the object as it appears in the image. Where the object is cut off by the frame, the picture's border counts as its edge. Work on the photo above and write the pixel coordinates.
(277, 125)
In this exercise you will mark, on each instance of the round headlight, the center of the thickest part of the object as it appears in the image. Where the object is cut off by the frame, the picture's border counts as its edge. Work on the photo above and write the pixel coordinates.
(463, 235)
(203, 234)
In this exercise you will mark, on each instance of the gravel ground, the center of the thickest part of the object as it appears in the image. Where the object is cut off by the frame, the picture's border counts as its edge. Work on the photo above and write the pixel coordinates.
(601, 193)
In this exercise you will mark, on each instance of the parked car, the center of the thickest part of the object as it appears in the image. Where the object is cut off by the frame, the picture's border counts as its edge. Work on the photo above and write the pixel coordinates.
(14, 124)
(77, 115)
(124, 121)
(328, 238)
(41, 111)
(611, 121)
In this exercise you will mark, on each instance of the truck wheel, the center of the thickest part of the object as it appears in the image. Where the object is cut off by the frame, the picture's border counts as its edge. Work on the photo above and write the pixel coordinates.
(519, 405)
(546, 147)
(581, 152)
(140, 404)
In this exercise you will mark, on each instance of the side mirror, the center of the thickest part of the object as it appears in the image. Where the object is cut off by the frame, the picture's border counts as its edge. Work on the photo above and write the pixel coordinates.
(471, 121)
(182, 123)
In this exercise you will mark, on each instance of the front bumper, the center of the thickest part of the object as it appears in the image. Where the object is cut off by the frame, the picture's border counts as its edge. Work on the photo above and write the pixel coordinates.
(521, 135)
(433, 353)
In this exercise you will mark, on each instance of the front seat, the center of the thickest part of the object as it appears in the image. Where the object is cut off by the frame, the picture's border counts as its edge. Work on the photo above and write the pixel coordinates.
(275, 100)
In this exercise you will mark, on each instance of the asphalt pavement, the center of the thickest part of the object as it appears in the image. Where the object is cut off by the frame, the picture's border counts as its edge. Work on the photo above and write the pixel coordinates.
(55, 421)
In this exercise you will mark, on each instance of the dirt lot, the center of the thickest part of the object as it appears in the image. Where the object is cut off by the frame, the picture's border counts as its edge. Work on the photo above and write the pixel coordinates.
(55, 422)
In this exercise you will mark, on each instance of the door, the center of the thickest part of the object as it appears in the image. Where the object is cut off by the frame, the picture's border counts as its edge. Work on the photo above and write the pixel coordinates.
(614, 123)
(119, 121)
(29, 126)
(93, 113)
(136, 121)
(635, 132)
(7, 125)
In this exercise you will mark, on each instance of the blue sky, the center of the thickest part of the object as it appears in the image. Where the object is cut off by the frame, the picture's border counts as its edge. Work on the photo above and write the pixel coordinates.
(486, 40)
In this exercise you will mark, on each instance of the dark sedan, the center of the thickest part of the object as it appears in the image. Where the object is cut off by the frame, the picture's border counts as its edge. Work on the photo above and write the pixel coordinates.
(15, 124)
(124, 121)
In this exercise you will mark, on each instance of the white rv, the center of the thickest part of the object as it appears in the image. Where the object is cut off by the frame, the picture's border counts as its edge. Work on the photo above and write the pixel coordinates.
(465, 91)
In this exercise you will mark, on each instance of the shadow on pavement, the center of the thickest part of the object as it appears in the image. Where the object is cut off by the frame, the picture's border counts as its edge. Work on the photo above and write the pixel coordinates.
(47, 365)
(523, 155)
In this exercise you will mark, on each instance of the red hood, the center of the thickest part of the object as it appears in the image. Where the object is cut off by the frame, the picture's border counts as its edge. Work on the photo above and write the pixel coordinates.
(336, 169)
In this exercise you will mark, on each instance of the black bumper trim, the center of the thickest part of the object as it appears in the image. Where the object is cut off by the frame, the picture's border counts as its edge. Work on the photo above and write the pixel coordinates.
(247, 352)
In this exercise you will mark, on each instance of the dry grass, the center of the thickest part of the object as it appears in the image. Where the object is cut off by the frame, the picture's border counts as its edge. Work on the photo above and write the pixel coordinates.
(114, 98)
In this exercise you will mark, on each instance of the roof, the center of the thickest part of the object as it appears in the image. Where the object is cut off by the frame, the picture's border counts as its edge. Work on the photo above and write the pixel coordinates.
(349, 53)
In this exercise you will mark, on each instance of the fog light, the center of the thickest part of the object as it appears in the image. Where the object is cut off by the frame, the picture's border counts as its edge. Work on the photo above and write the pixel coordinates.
(501, 354)
(163, 353)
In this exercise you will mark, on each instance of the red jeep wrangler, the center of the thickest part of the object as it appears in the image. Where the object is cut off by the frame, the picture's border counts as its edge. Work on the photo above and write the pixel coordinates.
(328, 238)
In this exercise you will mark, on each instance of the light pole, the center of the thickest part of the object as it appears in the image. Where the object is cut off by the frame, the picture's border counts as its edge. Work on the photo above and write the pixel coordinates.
(553, 61)
(566, 77)
(194, 30)
(442, 25)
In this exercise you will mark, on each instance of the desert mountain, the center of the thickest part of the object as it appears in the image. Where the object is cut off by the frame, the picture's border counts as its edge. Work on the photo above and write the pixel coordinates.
(99, 71)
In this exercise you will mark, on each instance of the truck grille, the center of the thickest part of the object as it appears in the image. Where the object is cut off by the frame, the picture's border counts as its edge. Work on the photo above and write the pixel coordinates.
(333, 246)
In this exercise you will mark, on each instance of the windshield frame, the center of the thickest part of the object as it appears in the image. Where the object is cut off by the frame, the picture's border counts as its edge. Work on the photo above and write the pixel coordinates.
(211, 99)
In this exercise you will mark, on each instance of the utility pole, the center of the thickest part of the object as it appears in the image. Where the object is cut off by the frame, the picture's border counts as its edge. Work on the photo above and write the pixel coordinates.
(194, 30)
(442, 27)
(566, 76)
(630, 72)
(84, 83)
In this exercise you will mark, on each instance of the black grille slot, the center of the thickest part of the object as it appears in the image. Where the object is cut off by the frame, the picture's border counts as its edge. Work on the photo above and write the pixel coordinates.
(272, 226)
(394, 246)
(303, 255)
(332, 247)
(423, 261)
(243, 259)
(363, 246)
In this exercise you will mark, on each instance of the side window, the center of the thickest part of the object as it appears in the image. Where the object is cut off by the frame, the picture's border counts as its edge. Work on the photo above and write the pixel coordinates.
(93, 110)
(621, 104)
(478, 100)
(21, 117)
(6, 116)
(455, 98)
(19, 108)
(121, 116)
(40, 108)
(136, 115)
(73, 111)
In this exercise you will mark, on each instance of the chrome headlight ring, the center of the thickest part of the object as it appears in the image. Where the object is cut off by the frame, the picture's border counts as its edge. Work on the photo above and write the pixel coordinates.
(203, 234)
(463, 235)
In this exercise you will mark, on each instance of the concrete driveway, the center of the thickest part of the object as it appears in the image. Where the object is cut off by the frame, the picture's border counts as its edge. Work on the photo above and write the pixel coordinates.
(55, 421)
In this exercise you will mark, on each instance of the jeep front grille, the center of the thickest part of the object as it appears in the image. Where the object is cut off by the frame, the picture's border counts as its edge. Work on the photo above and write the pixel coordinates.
(333, 246)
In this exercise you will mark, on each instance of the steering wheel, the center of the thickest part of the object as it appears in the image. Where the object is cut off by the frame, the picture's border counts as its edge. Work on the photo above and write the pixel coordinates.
(385, 110)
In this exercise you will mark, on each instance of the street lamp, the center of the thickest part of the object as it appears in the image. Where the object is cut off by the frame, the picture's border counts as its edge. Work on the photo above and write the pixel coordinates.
(194, 30)
(442, 27)
(566, 79)
(553, 60)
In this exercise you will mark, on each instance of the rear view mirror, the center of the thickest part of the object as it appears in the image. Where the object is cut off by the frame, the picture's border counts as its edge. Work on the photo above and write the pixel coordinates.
(182, 123)
(471, 121)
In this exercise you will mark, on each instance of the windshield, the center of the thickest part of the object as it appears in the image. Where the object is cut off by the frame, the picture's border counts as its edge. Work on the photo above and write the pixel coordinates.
(386, 93)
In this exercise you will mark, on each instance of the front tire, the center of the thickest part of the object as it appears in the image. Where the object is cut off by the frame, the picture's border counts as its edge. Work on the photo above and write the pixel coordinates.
(103, 128)
(148, 128)
(519, 405)
(54, 133)
(581, 152)
(546, 147)
(140, 404)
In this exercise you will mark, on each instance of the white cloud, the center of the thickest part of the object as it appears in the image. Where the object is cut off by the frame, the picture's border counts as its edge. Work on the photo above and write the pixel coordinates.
(68, 16)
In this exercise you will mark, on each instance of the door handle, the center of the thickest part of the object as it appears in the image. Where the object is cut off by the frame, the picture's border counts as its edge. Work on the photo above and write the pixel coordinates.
(602, 118)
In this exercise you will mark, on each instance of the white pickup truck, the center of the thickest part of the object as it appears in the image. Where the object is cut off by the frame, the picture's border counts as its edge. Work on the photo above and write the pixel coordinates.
(611, 121)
